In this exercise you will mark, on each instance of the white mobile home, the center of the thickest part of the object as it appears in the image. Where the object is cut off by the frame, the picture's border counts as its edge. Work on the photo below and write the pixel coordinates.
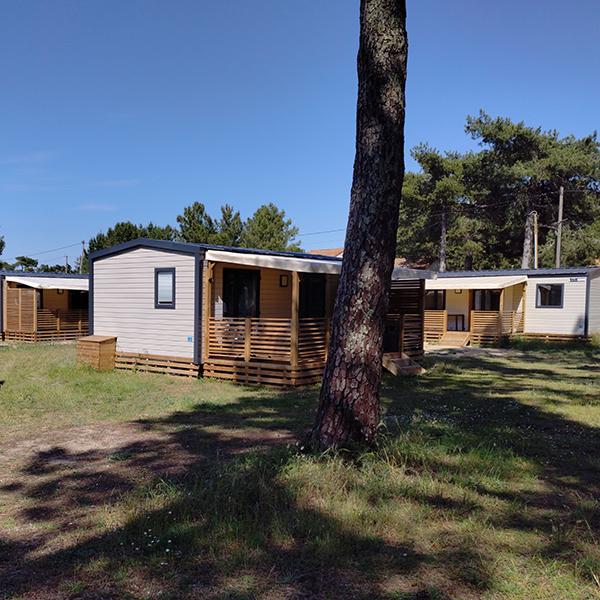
(483, 306)
(233, 313)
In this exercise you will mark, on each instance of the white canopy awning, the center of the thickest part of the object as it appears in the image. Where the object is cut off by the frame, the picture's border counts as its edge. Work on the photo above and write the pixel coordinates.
(302, 265)
(493, 282)
(51, 283)
(286, 263)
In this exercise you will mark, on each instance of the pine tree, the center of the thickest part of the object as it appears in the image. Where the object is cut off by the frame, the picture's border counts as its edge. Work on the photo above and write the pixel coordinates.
(349, 407)
(269, 229)
(196, 225)
(229, 228)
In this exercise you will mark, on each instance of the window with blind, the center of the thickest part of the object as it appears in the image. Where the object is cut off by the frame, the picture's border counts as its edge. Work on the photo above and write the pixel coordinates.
(164, 288)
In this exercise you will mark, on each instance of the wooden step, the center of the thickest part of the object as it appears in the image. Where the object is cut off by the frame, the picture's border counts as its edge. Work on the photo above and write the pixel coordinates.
(400, 364)
(456, 338)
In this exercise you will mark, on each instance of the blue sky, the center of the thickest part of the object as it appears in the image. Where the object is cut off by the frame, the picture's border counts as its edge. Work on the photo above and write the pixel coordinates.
(129, 110)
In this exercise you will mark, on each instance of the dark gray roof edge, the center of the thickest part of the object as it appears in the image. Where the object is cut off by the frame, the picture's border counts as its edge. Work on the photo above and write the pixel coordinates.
(44, 274)
(528, 272)
(189, 248)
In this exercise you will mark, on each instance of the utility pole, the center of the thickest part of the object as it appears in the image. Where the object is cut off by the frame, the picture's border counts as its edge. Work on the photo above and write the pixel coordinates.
(82, 254)
(66, 264)
(561, 193)
(535, 239)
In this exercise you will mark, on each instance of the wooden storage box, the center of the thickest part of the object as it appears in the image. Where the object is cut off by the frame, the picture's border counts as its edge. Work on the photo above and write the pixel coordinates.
(98, 351)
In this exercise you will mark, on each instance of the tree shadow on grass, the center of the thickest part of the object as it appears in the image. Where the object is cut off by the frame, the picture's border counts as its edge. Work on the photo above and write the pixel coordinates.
(216, 503)
(225, 522)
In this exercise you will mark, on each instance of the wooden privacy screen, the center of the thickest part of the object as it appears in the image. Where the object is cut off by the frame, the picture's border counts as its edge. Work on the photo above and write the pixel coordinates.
(21, 304)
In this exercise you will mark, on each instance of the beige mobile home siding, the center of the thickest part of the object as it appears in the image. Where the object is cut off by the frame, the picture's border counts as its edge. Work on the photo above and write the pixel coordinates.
(594, 305)
(568, 320)
(124, 303)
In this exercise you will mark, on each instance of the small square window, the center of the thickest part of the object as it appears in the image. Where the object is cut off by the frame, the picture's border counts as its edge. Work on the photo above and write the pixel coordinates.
(164, 288)
(549, 295)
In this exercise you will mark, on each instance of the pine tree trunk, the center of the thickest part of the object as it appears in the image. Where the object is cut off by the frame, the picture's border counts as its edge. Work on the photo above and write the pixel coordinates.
(349, 409)
(443, 240)
(527, 239)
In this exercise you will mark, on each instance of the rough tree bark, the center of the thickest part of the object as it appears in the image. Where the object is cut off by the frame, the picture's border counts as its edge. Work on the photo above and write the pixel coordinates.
(443, 240)
(349, 408)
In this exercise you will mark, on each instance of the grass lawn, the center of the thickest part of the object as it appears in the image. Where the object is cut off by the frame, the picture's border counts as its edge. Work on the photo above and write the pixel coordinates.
(486, 484)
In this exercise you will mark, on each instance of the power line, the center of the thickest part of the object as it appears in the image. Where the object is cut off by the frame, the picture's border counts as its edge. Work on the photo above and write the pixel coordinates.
(321, 232)
(48, 251)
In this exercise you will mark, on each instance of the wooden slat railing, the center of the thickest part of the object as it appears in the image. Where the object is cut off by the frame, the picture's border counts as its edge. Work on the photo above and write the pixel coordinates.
(250, 338)
(435, 324)
(266, 339)
(486, 326)
(512, 322)
(258, 339)
(62, 321)
(269, 339)
(313, 337)
(226, 337)
(412, 335)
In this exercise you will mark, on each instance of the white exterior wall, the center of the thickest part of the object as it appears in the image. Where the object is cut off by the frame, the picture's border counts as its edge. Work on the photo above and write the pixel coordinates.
(513, 298)
(458, 304)
(123, 299)
(568, 320)
(594, 306)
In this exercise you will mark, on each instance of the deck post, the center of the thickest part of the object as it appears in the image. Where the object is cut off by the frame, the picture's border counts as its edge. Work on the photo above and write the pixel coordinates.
(295, 321)
(35, 312)
(501, 314)
(401, 348)
(20, 294)
(58, 320)
(247, 339)
(422, 314)
(208, 287)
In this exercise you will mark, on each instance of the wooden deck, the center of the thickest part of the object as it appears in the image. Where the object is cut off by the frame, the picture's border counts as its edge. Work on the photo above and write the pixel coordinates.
(270, 351)
(265, 351)
(281, 348)
(23, 321)
(485, 327)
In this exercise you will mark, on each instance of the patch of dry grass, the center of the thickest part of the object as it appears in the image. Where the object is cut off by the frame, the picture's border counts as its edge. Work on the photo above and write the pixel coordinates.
(485, 485)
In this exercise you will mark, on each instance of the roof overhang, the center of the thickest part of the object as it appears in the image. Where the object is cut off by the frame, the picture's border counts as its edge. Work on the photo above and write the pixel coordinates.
(405, 273)
(285, 263)
(51, 283)
(474, 283)
(301, 265)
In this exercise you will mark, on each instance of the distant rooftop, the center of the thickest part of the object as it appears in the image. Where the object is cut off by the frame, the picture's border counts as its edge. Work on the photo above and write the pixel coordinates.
(528, 272)
(190, 248)
(335, 252)
(43, 274)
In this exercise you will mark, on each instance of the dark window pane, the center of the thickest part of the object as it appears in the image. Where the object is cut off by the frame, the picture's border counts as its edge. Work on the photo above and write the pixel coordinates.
(240, 292)
(78, 300)
(312, 296)
(549, 294)
(435, 300)
(486, 300)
